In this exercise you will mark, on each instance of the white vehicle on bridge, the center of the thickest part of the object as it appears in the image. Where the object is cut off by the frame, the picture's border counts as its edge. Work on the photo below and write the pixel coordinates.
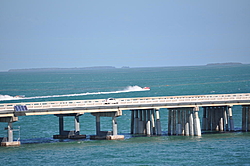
(110, 101)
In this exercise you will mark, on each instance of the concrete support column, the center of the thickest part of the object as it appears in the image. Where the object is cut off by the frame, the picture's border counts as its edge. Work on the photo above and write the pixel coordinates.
(221, 124)
(136, 123)
(204, 119)
(209, 118)
(191, 124)
(183, 121)
(10, 132)
(77, 125)
(132, 122)
(213, 118)
(248, 118)
(148, 126)
(178, 130)
(144, 121)
(98, 124)
(153, 121)
(217, 118)
(197, 127)
(169, 121)
(222, 119)
(114, 125)
(158, 122)
(140, 123)
(231, 121)
(244, 118)
(174, 122)
(187, 123)
(61, 125)
(225, 114)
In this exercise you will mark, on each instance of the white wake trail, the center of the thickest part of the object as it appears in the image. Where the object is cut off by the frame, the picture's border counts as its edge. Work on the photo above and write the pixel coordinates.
(126, 90)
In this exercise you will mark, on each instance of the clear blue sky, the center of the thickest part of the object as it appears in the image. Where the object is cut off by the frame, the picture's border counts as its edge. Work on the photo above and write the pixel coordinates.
(138, 33)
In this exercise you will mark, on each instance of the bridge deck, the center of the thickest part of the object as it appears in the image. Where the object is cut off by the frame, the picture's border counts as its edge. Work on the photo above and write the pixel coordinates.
(100, 105)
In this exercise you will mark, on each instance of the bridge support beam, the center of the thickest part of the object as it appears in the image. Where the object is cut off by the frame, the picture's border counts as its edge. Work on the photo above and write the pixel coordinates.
(9, 141)
(69, 134)
(109, 135)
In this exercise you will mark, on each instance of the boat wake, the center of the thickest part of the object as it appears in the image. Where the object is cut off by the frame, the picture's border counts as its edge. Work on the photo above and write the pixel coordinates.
(126, 90)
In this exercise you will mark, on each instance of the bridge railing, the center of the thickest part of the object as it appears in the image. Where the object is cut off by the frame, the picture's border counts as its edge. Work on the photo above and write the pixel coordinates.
(121, 101)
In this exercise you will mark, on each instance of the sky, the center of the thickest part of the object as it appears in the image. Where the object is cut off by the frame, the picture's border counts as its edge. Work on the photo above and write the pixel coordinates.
(135, 33)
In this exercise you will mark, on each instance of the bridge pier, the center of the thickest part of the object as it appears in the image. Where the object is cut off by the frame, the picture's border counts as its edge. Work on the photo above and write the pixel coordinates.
(109, 135)
(69, 134)
(9, 141)
(145, 122)
(218, 118)
(184, 121)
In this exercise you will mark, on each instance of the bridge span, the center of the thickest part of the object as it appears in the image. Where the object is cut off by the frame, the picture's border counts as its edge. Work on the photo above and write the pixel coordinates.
(183, 116)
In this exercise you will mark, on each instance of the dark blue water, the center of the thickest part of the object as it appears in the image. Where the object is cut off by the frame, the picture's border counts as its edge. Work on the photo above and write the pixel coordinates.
(38, 147)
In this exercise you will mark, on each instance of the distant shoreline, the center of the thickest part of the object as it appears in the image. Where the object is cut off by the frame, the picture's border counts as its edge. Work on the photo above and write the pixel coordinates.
(60, 69)
(228, 63)
(110, 67)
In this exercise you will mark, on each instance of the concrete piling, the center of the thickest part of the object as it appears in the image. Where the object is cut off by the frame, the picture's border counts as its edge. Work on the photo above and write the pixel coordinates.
(158, 122)
(169, 121)
(197, 127)
(140, 123)
(114, 125)
(136, 130)
(132, 122)
(153, 122)
(186, 132)
(204, 119)
(191, 124)
(231, 121)
(225, 118)
(248, 118)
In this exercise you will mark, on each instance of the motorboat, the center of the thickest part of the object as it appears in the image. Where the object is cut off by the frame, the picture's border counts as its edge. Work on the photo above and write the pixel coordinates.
(19, 96)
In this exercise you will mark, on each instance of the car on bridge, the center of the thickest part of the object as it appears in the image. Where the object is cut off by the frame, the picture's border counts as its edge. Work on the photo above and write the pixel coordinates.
(110, 101)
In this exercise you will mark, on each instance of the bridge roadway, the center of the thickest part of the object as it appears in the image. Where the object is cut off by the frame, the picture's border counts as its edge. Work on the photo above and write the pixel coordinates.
(100, 105)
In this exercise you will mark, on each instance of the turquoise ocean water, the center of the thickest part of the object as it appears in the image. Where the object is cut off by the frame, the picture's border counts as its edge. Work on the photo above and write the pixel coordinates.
(39, 148)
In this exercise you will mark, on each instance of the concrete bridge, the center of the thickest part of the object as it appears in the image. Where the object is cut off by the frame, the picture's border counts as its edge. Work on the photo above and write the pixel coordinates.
(183, 116)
